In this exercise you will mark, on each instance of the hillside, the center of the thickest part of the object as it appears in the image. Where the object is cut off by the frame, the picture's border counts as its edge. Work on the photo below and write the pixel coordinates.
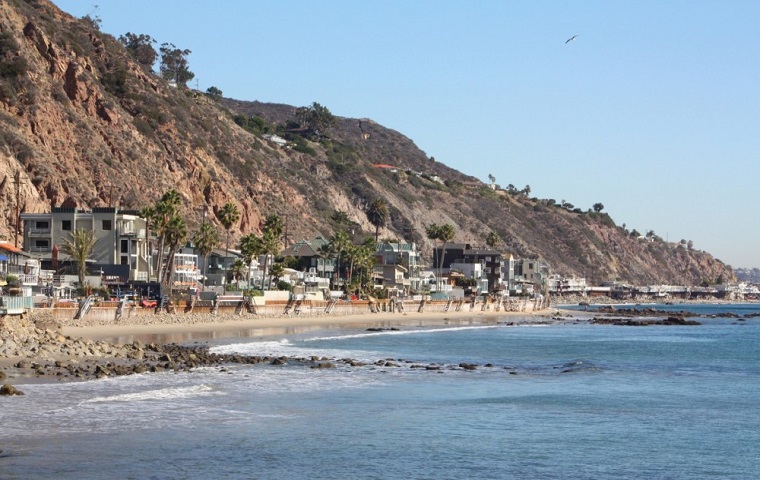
(81, 122)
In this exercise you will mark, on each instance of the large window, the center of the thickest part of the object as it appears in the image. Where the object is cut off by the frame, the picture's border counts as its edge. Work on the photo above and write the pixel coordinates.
(42, 244)
(107, 225)
(42, 225)
(66, 225)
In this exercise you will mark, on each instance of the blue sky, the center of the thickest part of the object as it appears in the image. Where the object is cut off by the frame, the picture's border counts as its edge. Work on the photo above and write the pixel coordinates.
(653, 110)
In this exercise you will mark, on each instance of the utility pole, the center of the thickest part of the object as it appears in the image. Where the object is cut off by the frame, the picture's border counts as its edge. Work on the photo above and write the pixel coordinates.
(17, 181)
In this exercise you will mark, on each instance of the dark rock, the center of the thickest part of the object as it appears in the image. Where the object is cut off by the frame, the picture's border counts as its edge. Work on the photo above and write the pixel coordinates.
(322, 365)
(8, 389)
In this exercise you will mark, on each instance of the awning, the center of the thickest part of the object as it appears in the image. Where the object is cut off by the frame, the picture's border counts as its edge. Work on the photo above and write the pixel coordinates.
(3, 258)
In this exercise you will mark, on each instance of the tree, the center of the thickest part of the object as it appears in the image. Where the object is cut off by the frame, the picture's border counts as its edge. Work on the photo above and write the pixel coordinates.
(140, 47)
(228, 216)
(377, 214)
(526, 190)
(444, 233)
(214, 93)
(491, 178)
(158, 217)
(174, 65)
(316, 118)
(251, 246)
(79, 246)
(325, 252)
(270, 240)
(278, 271)
(339, 243)
(598, 207)
(176, 234)
(492, 239)
(205, 240)
(237, 269)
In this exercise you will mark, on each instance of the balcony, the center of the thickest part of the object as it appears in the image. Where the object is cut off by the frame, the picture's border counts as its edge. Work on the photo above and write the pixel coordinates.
(134, 233)
(39, 232)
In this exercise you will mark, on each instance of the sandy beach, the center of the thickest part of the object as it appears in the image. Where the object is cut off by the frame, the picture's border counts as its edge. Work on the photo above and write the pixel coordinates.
(165, 329)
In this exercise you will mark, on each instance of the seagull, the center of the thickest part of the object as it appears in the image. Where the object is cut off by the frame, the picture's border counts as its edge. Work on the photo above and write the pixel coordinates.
(570, 39)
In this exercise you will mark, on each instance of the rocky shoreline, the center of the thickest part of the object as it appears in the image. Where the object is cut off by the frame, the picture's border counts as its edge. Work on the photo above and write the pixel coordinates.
(34, 348)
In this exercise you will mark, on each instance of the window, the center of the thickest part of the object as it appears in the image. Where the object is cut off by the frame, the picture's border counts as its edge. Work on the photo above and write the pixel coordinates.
(42, 244)
(125, 246)
(66, 225)
(42, 225)
(107, 225)
(124, 260)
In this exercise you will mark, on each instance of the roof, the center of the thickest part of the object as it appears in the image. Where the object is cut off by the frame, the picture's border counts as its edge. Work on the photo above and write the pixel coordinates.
(9, 248)
(305, 248)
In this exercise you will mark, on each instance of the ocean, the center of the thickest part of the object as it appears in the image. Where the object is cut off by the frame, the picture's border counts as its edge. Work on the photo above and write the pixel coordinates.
(565, 401)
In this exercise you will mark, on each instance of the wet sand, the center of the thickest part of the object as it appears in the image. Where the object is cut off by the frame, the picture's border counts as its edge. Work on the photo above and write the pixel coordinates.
(250, 326)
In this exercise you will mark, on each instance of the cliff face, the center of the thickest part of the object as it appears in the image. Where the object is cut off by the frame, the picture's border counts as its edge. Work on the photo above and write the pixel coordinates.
(82, 123)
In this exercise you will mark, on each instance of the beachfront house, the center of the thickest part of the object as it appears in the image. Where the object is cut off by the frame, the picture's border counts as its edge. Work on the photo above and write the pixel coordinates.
(405, 256)
(464, 253)
(528, 275)
(121, 251)
(309, 259)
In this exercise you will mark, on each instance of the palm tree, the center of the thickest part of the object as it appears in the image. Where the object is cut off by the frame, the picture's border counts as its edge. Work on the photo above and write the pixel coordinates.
(377, 214)
(251, 246)
(445, 233)
(158, 217)
(364, 258)
(274, 223)
(78, 246)
(270, 245)
(273, 229)
(277, 272)
(433, 231)
(339, 244)
(228, 216)
(325, 252)
(237, 270)
(205, 240)
(492, 239)
(176, 234)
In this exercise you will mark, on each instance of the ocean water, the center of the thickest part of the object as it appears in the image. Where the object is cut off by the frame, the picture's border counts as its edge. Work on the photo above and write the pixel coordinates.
(569, 401)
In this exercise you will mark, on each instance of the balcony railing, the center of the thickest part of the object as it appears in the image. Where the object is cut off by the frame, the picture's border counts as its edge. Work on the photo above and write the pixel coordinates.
(39, 231)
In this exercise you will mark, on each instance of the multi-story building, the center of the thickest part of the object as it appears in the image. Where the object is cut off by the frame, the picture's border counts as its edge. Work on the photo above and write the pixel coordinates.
(464, 253)
(121, 248)
(390, 255)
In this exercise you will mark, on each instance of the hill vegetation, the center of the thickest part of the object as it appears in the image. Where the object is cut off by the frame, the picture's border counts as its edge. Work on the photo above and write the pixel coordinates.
(85, 121)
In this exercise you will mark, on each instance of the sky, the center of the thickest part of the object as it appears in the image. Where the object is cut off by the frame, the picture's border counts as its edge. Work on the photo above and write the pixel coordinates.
(652, 110)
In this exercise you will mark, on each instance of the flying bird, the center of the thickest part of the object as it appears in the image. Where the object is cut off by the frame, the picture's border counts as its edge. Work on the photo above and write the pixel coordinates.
(570, 39)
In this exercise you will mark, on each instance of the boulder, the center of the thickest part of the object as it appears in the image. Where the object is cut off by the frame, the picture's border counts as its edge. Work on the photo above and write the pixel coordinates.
(8, 389)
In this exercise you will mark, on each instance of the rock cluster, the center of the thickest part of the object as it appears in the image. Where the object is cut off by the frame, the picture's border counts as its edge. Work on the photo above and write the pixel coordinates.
(41, 338)
(41, 350)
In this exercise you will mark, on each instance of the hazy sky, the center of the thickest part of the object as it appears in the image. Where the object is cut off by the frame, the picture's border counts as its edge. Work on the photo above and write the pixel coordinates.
(653, 110)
